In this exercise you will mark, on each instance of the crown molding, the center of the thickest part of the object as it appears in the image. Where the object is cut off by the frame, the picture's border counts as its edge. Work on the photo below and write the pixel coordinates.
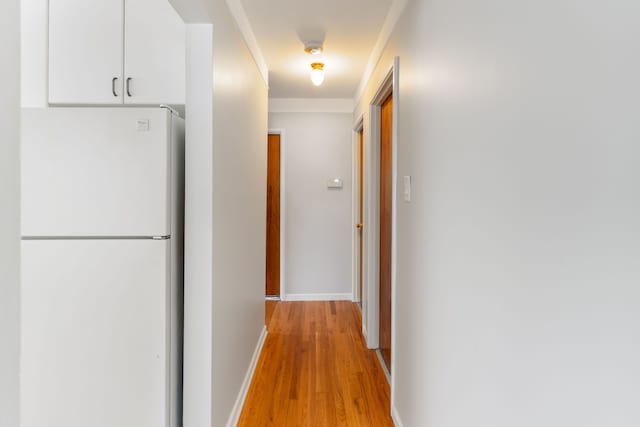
(311, 105)
(395, 11)
(239, 14)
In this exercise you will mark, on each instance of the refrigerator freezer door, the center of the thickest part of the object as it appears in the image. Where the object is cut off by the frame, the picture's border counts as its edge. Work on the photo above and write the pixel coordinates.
(95, 334)
(96, 172)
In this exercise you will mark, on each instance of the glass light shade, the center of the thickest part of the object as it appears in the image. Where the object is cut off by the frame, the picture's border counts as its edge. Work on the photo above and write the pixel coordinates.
(317, 73)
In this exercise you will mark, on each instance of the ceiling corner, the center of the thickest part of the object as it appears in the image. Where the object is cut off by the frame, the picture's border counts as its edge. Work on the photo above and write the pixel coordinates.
(395, 11)
(239, 14)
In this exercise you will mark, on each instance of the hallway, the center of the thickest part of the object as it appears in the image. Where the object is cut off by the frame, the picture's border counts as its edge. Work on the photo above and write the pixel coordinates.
(315, 370)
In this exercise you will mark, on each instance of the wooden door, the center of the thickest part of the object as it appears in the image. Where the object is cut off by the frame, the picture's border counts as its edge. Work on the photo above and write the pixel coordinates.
(85, 51)
(360, 209)
(273, 216)
(386, 206)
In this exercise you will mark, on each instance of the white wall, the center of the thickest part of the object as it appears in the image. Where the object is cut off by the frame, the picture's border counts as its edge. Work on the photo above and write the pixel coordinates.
(318, 225)
(9, 212)
(239, 209)
(517, 265)
(198, 290)
(226, 209)
(34, 52)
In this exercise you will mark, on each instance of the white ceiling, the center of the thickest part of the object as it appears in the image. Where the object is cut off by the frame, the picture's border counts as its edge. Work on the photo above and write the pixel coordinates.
(349, 28)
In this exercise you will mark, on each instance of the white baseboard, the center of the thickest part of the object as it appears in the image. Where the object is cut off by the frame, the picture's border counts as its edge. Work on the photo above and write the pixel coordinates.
(318, 297)
(383, 366)
(242, 395)
(396, 417)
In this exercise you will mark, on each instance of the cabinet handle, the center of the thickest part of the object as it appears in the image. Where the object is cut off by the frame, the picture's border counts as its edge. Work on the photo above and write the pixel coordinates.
(129, 86)
(113, 86)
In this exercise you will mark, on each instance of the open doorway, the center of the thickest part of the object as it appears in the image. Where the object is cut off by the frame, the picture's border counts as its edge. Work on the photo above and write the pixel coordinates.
(379, 219)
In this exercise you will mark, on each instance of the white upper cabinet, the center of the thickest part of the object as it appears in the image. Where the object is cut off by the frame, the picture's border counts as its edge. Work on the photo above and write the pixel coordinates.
(85, 51)
(154, 53)
(104, 52)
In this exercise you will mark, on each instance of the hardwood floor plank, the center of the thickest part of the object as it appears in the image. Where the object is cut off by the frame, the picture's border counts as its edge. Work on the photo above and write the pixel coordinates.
(315, 370)
(269, 308)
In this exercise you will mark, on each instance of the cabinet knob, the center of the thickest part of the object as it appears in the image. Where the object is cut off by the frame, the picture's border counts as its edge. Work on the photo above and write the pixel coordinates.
(129, 86)
(113, 86)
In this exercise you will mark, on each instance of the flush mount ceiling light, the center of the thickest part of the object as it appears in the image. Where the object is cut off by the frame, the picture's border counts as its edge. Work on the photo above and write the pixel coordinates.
(313, 48)
(317, 73)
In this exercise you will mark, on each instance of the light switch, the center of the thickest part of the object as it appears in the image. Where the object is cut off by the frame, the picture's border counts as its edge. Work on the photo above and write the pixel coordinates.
(407, 189)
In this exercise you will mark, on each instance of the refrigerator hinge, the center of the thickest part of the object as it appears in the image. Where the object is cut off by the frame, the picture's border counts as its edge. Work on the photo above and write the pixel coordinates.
(171, 109)
(160, 237)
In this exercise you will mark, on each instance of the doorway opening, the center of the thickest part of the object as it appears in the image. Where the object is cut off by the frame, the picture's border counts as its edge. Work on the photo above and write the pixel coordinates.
(359, 214)
(274, 263)
(272, 282)
(379, 240)
(386, 229)
(360, 224)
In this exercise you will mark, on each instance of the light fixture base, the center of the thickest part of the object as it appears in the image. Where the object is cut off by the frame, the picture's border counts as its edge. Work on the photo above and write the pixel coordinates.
(313, 48)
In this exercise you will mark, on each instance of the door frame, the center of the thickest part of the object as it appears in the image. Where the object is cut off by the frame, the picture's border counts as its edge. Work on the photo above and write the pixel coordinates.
(281, 132)
(355, 273)
(371, 286)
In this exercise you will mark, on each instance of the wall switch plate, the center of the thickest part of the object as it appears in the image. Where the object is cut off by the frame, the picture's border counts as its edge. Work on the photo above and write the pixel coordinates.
(407, 189)
(335, 183)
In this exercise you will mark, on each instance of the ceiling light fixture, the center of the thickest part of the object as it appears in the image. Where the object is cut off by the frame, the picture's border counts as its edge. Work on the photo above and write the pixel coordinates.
(317, 73)
(313, 48)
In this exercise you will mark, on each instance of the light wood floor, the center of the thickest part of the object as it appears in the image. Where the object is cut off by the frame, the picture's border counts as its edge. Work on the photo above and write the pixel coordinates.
(269, 308)
(315, 370)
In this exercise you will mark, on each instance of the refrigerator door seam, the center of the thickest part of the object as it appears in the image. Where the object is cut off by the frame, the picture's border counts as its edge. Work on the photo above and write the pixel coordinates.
(96, 237)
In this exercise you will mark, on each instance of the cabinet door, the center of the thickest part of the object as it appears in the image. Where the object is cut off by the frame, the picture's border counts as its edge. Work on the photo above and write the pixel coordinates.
(85, 51)
(154, 53)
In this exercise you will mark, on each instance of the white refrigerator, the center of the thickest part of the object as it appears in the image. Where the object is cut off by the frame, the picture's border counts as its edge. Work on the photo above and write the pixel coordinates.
(102, 257)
